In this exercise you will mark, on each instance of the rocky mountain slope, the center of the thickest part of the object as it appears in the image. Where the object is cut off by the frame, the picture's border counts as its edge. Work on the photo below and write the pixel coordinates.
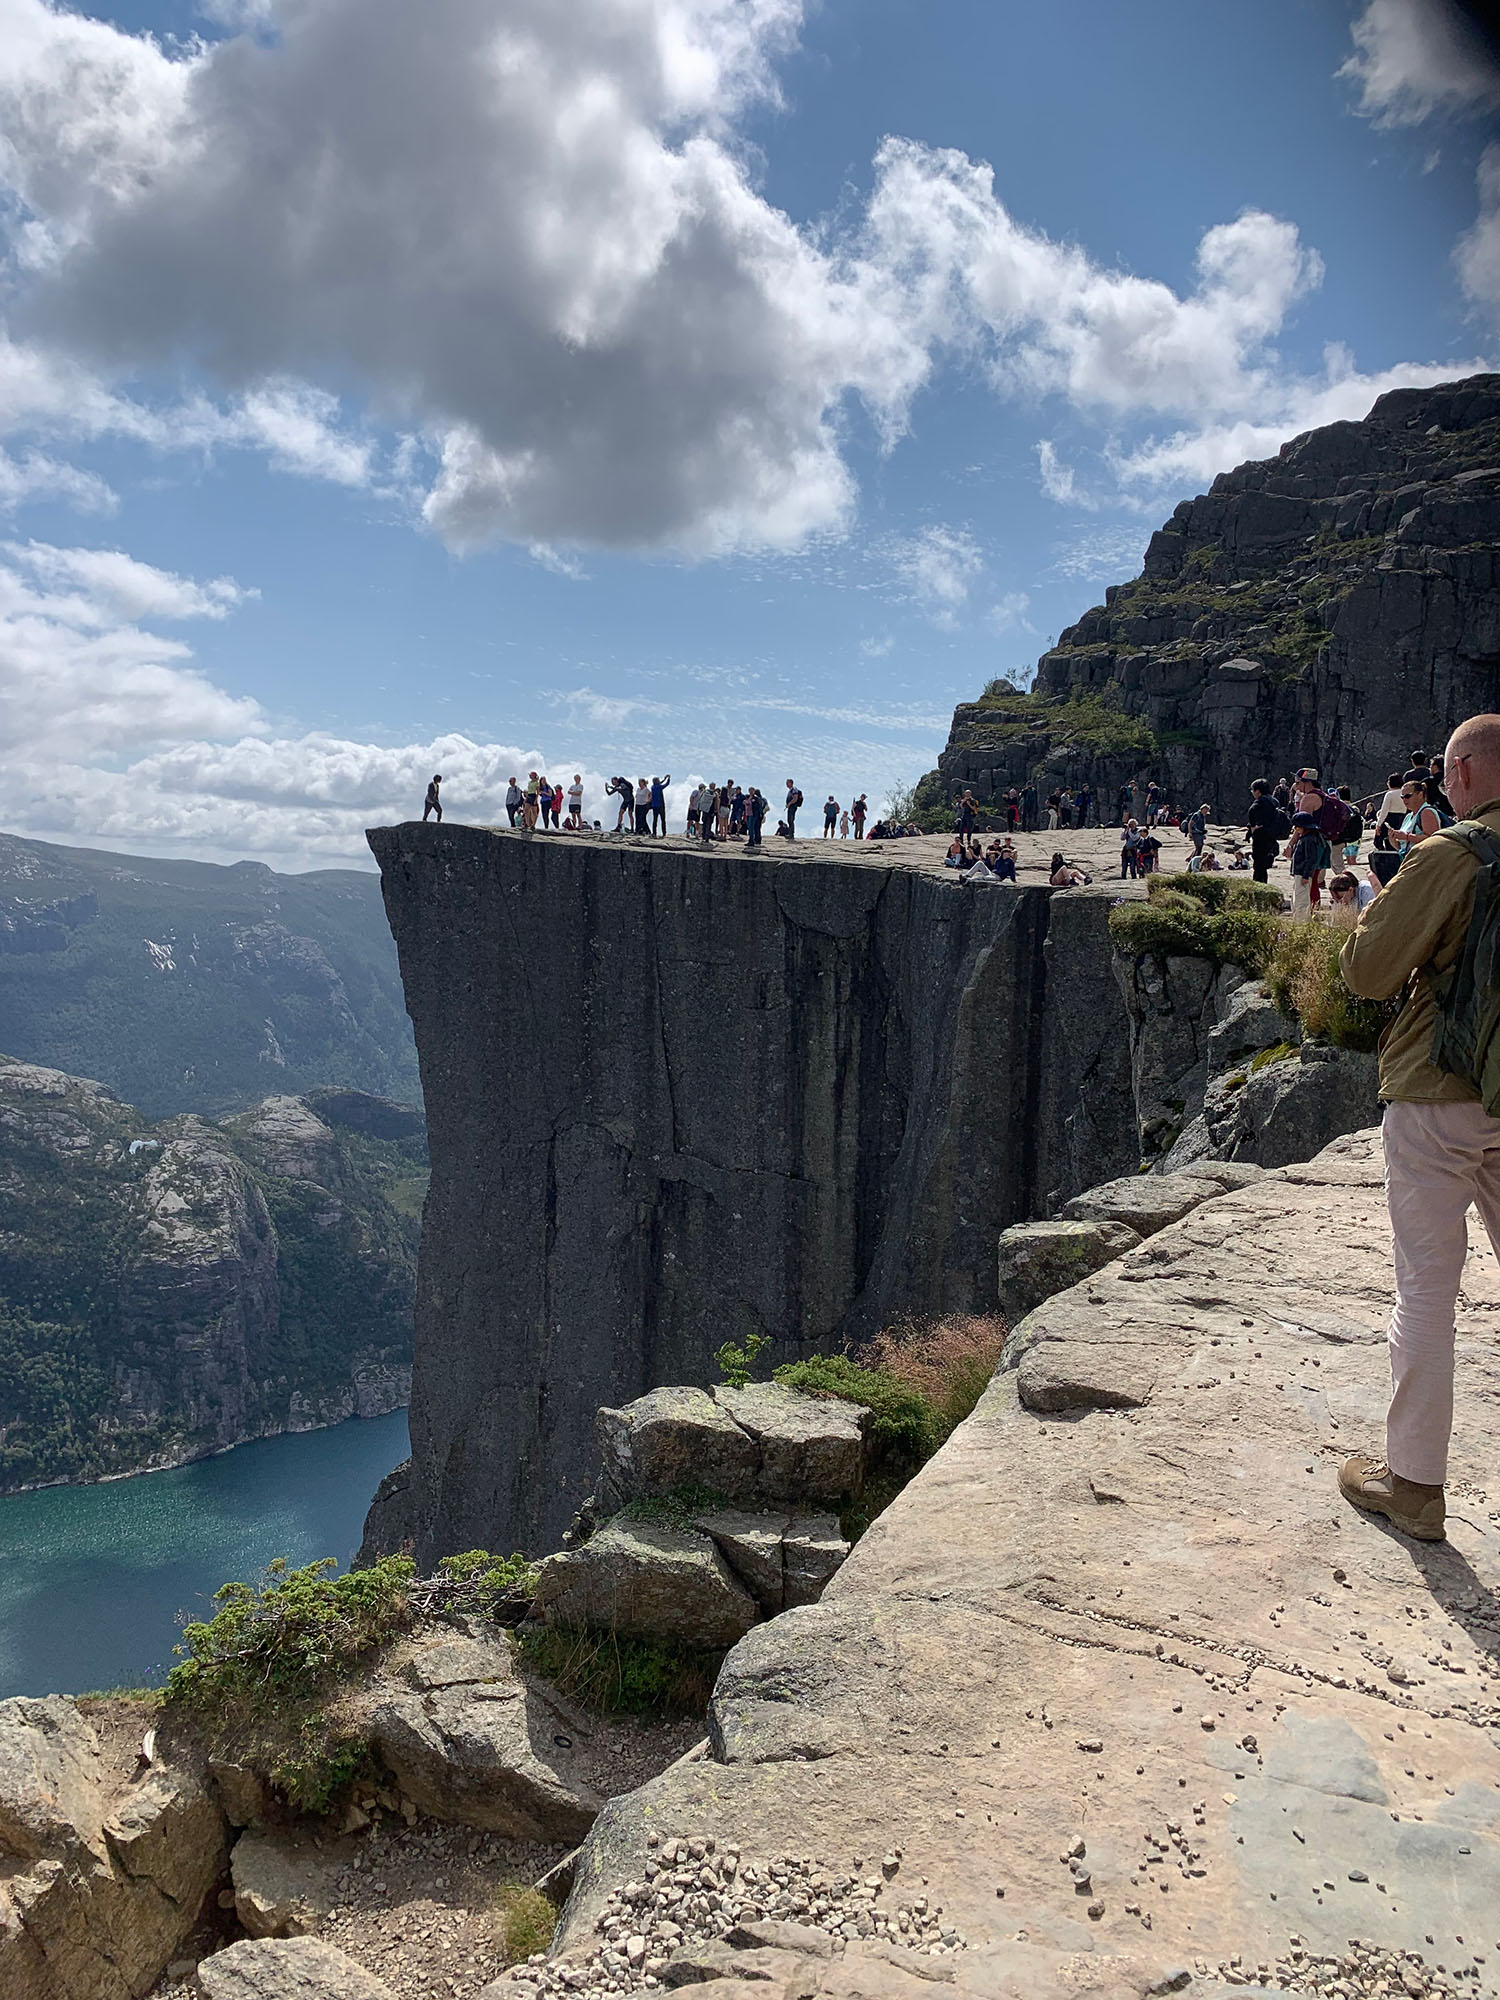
(168, 1289)
(193, 988)
(1337, 605)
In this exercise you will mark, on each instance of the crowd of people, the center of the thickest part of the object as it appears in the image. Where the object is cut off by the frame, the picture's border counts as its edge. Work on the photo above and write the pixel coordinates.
(1318, 828)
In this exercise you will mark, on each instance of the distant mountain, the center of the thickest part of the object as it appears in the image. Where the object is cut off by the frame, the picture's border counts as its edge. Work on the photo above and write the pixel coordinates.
(190, 987)
(169, 1289)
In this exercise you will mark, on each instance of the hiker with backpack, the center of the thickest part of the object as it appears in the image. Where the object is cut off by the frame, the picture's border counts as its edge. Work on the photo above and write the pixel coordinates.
(793, 800)
(1434, 931)
(1318, 820)
(1268, 826)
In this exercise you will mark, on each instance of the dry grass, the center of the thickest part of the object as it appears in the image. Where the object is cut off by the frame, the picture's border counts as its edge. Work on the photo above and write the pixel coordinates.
(948, 1362)
(524, 1922)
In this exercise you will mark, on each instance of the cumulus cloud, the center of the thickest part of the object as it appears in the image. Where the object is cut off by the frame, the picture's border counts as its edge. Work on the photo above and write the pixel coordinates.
(1414, 57)
(80, 677)
(1343, 394)
(531, 243)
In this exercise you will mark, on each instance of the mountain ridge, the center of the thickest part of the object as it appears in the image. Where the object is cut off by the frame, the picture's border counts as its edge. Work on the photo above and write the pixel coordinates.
(1336, 605)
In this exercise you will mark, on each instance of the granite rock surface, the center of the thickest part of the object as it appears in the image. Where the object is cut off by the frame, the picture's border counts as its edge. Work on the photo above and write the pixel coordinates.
(1120, 1670)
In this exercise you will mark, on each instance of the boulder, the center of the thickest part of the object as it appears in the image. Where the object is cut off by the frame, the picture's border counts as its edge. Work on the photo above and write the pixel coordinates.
(287, 1969)
(809, 1447)
(672, 1438)
(1249, 1021)
(1143, 1202)
(51, 1782)
(282, 1886)
(469, 1741)
(814, 1550)
(751, 1544)
(242, 1793)
(1040, 1258)
(651, 1579)
(168, 1831)
(84, 1929)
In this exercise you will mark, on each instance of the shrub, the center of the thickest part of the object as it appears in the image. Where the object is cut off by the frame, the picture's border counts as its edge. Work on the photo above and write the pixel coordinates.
(1303, 978)
(524, 1922)
(736, 1364)
(904, 1425)
(291, 1637)
(1197, 916)
(614, 1673)
(948, 1363)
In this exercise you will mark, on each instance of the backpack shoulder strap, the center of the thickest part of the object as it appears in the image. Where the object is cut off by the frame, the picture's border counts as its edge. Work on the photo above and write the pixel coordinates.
(1481, 841)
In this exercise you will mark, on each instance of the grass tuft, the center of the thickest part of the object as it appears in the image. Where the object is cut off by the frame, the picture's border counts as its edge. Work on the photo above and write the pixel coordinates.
(524, 1922)
(613, 1673)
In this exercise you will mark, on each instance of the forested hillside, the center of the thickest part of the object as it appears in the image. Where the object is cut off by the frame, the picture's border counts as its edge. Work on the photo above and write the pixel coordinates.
(190, 987)
(168, 1289)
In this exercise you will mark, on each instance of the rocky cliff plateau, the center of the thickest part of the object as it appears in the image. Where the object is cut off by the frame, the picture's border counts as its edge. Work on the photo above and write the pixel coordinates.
(1335, 605)
(675, 1099)
(168, 1289)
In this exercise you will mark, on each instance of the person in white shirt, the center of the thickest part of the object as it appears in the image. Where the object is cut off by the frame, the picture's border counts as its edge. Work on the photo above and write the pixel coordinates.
(575, 803)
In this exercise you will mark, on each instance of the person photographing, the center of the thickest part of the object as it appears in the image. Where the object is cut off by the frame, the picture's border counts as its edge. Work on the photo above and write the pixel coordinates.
(1434, 934)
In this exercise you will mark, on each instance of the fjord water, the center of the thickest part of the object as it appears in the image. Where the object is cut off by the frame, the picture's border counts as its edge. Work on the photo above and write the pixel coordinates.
(96, 1581)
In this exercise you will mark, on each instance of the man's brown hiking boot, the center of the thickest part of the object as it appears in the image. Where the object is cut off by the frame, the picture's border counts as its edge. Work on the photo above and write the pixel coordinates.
(1416, 1510)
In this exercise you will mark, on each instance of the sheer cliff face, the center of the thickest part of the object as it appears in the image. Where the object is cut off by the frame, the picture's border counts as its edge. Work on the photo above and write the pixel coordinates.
(676, 1099)
(1334, 605)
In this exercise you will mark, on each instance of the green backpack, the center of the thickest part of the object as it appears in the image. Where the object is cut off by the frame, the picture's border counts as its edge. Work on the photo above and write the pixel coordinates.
(1466, 1040)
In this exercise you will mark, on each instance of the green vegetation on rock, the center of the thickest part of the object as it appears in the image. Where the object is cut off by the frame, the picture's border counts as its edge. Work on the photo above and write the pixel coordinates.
(616, 1673)
(1242, 923)
(1201, 916)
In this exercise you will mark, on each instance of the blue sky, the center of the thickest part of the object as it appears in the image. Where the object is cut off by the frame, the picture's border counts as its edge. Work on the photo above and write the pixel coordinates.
(715, 386)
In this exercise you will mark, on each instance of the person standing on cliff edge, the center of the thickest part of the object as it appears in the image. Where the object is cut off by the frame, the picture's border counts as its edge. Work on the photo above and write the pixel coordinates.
(432, 803)
(1442, 1147)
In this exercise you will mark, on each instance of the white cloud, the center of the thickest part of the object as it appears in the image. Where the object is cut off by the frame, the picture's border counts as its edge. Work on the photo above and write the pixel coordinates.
(1010, 613)
(117, 589)
(1414, 57)
(1478, 252)
(80, 678)
(1196, 455)
(1059, 481)
(1103, 555)
(38, 477)
(527, 240)
(937, 567)
(587, 708)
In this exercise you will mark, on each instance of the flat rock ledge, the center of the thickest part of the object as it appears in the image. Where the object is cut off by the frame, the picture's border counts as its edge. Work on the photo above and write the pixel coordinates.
(1119, 1679)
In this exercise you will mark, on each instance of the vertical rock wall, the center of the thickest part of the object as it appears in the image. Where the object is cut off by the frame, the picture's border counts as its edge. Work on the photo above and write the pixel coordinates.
(675, 1099)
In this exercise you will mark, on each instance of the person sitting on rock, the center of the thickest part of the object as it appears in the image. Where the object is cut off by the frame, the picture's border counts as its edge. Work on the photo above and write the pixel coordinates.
(1065, 877)
(957, 855)
(1001, 859)
(1442, 1148)
(1209, 864)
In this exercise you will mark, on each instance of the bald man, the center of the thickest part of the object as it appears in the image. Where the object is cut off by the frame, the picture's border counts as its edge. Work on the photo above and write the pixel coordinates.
(1442, 1149)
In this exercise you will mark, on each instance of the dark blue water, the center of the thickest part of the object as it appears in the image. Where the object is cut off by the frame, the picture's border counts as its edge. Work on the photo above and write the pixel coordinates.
(96, 1581)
